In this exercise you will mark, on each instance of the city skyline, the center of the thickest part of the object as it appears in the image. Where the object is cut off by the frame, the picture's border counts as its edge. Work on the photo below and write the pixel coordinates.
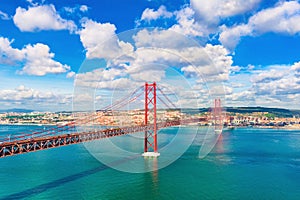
(253, 45)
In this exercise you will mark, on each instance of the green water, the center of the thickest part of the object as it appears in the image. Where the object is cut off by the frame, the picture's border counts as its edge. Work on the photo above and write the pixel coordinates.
(245, 164)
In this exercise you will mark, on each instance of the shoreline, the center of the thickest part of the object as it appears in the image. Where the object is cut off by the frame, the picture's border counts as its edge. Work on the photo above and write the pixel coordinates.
(226, 128)
(17, 124)
(267, 127)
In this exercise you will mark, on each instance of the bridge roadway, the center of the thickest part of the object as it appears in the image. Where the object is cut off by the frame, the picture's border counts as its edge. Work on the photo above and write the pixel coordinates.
(41, 143)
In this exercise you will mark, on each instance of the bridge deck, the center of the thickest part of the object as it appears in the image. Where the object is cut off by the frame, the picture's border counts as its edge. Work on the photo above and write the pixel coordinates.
(42, 143)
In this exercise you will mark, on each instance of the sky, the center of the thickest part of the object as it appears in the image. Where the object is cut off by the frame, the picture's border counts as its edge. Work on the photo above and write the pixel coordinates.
(66, 55)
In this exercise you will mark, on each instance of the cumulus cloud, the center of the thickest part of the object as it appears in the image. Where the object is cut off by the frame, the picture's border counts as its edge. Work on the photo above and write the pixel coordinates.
(30, 97)
(187, 25)
(161, 39)
(278, 81)
(9, 55)
(36, 59)
(22, 93)
(213, 10)
(268, 76)
(296, 67)
(217, 68)
(283, 86)
(43, 17)
(201, 18)
(242, 98)
(83, 8)
(274, 85)
(100, 75)
(155, 52)
(230, 37)
(110, 78)
(100, 40)
(154, 57)
(151, 14)
(220, 89)
(39, 61)
(185, 21)
(283, 18)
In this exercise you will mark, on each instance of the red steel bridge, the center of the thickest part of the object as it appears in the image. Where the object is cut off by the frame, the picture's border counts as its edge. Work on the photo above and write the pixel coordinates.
(67, 135)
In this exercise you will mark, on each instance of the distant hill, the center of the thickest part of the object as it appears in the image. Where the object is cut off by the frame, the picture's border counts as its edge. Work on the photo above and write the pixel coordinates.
(279, 112)
(18, 110)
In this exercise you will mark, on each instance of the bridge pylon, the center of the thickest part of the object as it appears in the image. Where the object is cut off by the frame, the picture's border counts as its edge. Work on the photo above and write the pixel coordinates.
(150, 140)
(217, 116)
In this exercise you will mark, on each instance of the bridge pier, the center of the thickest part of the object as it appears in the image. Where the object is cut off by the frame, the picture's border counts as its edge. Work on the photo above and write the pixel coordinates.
(150, 140)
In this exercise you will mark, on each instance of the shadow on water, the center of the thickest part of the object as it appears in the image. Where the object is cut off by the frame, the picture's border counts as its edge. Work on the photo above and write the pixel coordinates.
(56, 183)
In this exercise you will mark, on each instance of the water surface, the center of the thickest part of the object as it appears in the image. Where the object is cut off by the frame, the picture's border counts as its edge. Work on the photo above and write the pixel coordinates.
(245, 164)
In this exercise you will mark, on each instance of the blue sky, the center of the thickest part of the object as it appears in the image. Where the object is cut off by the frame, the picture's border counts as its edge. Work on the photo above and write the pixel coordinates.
(253, 50)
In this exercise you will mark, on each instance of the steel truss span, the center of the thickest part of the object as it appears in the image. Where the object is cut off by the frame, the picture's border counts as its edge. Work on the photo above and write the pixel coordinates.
(32, 145)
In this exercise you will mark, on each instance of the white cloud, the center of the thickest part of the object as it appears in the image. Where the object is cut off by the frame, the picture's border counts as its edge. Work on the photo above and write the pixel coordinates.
(243, 97)
(230, 37)
(4, 16)
(217, 68)
(71, 74)
(286, 81)
(211, 62)
(151, 14)
(296, 67)
(283, 86)
(39, 61)
(187, 25)
(283, 18)
(201, 18)
(213, 10)
(161, 39)
(272, 86)
(154, 57)
(29, 96)
(117, 84)
(70, 9)
(100, 41)
(38, 18)
(269, 76)
(36, 59)
(220, 89)
(83, 8)
(100, 75)
(31, 2)
(76, 9)
(9, 55)
(103, 78)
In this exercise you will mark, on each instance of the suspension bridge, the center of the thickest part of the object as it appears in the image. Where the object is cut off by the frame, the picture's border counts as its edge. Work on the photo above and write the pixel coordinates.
(67, 134)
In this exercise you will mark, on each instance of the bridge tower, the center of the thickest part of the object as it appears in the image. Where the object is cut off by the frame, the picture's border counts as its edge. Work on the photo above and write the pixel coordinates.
(150, 140)
(217, 116)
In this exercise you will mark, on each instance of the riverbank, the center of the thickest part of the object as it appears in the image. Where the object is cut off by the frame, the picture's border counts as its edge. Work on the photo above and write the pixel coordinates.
(287, 127)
